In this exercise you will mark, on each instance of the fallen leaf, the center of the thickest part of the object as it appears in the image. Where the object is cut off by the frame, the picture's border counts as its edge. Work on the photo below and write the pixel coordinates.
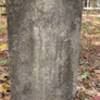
(96, 98)
(3, 47)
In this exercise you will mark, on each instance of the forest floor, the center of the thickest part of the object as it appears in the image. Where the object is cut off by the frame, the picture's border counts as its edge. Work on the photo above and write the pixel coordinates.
(88, 87)
(89, 74)
(4, 70)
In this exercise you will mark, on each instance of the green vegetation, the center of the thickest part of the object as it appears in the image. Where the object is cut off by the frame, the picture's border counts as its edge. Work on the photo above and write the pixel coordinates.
(91, 26)
(3, 62)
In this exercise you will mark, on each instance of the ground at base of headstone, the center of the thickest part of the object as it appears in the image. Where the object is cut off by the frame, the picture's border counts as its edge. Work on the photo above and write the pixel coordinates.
(88, 87)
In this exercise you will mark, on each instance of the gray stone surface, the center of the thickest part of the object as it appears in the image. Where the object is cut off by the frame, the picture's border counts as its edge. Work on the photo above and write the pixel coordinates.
(44, 48)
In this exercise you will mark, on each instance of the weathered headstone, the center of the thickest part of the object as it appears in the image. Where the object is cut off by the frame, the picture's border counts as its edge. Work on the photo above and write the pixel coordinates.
(44, 48)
